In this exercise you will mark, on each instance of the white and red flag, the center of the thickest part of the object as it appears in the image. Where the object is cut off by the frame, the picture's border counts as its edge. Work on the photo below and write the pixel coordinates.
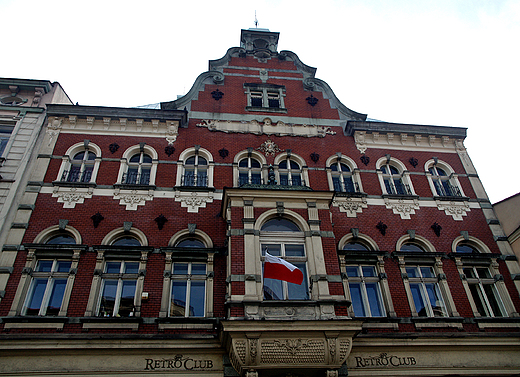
(279, 269)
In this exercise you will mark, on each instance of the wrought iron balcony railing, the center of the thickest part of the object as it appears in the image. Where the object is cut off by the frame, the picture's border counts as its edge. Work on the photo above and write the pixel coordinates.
(135, 178)
(195, 180)
(76, 176)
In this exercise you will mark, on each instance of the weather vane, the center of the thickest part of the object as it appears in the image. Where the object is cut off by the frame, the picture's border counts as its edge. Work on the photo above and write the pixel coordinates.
(256, 21)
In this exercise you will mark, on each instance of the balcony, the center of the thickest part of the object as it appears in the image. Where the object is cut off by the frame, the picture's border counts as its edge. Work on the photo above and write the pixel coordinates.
(76, 176)
(135, 178)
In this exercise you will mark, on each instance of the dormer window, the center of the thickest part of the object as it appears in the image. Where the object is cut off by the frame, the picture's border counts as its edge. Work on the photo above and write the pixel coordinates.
(265, 97)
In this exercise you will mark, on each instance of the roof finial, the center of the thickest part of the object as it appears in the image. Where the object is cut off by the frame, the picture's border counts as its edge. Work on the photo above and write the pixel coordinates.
(256, 21)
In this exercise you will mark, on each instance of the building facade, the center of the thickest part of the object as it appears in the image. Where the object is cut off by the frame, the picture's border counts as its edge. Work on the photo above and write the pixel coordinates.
(146, 232)
(22, 115)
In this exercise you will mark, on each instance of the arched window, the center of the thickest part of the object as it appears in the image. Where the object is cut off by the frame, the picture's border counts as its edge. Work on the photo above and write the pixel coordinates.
(342, 179)
(393, 181)
(195, 171)
(188, 284)
(249, 171)
(49, 281)
(139, 169)
(282, 238)
(119, 283)
(413, 247)
(290, 173)
(443, 181)
(486, 291)
(84, 164)
(138, 166)
(355, 246)
(195, 168)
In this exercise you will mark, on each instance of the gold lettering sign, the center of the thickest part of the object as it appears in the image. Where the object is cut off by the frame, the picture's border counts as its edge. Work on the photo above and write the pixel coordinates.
(179, 362)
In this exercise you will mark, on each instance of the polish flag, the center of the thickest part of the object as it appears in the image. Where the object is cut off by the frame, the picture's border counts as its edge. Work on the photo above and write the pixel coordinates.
(279, 269)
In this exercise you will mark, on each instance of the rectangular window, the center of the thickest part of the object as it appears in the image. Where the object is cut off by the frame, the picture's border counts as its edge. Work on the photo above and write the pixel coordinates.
(265, 97)
(483, 291)
(188, 295)
(426, 295)
(5, 134)
(365, 292)
(47, 287)
(282, 290)
(118, 291)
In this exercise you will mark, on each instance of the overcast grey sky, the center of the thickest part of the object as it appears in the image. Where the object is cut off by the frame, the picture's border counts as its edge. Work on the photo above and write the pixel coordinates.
(440, 62)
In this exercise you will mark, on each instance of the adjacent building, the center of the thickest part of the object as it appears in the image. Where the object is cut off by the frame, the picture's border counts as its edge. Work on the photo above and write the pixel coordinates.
(143, 233)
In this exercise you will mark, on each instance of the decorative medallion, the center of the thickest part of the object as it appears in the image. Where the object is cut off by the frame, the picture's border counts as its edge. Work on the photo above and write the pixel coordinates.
(315, 157)
(312, 100)
(413, 161)
(172, 132)
(269, 148)
(217, 94)
(160, 220)
(96, 219)
(113, 147)
(54, 128)
(365, 159)
(437, 229)
(169, 149)
(382, 227)
(223, 152)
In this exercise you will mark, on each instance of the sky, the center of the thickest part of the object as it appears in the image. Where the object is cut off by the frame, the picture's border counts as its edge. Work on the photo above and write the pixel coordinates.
(440, 62)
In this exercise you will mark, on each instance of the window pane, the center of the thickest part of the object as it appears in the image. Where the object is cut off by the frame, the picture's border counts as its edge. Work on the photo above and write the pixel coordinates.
(126, 305)
(255, 163)
(63, 239)
(127, 241)
(79, 156)
(483, 273)
(427, 272)
(190, 161)
(411, 247)
(478, 300)
(56, 297)
(493, 300)
(108, 298)
(191, 242)
(352, 271)
(272, 249)
(147, 159)
(374, 299)
(294, 251)
(198, 269)
(299, 291)
(357, 300)
(354, 246)
(113, 267)
(412, 272)
(197, 298)
(135, 158)
(273, 289)
(294, 165)
(44, 266)
(180, 268)
(91, 156)
(368, 271)
(436, 301)
(63, 266)
(282, 165)
(418, 300)
(178, 299)
(280, 225)
(132, 267)
(202, 161)
(243, 163)
(469, 272)
(33, 307)
(461, 248)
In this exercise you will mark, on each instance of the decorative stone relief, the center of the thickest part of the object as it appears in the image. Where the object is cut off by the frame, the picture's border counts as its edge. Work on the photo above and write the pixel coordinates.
(293, 351)
(54, 128)
(454, 209)
(402, 207)
(350, 205)
(267, 127)
(359, 138)
(172, 132)
(193, 200)
(70, 196)
(133, 198)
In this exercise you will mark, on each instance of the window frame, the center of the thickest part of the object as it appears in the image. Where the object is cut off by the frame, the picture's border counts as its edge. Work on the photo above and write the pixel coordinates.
(65, 171)
(402, 175)
(483, 258)
(125, 165)
(448, 183)
(354, 175)
(362, 281)
(289, 157)
(40, 250)
(181, 167)
(263, 94)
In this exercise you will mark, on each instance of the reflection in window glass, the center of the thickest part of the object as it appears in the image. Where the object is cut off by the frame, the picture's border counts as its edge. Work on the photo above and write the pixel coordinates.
(365, 292)
(188, 292)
